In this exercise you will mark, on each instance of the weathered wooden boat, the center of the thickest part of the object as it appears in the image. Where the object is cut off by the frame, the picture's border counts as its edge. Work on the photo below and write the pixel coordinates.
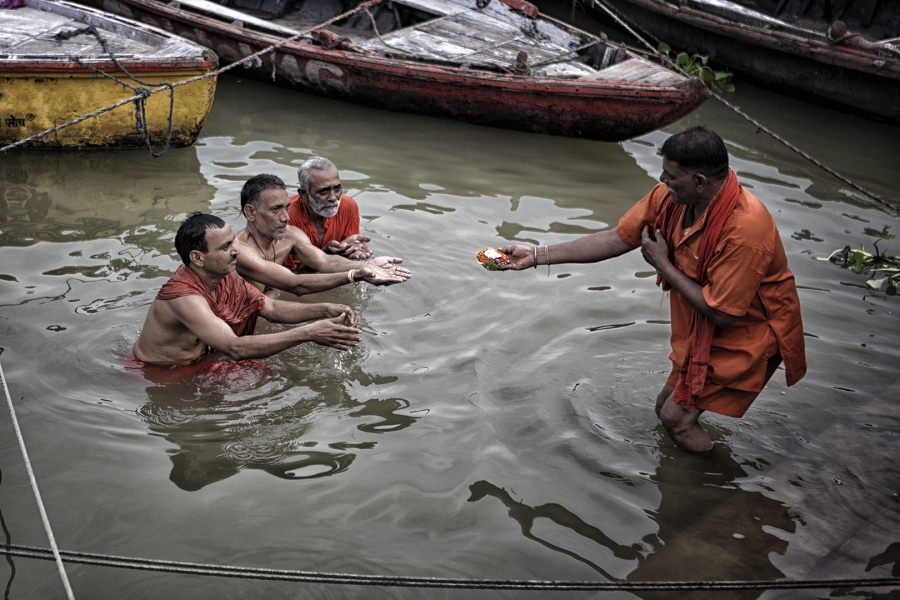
(844, 54)
(498, 64)
(48, 76)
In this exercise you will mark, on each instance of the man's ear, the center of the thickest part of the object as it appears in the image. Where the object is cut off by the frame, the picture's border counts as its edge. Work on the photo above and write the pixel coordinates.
(197, 258)
(249, 212)
(700, 180)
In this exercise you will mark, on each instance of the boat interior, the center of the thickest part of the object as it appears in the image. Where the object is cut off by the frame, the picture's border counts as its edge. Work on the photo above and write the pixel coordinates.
(475, 34)
(875, 19)
(40, 30)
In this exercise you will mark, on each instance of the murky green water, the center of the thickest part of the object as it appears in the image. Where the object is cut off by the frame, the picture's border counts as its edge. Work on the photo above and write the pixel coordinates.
(490, 425)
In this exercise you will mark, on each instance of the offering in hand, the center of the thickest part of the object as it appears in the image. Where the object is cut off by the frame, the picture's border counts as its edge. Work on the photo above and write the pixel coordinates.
(492, 259)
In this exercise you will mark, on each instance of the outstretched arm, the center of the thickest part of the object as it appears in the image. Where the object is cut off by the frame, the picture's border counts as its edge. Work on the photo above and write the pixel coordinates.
(254, 268)
(382, 270)
(656, 253)
(195, 314)
(589, 249)
(279, 311)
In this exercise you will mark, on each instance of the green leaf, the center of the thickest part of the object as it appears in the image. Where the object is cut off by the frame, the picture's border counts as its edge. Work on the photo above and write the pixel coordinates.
(703, 58)
(891, 290)
(682, 59)
(876, 283)
(664, 48)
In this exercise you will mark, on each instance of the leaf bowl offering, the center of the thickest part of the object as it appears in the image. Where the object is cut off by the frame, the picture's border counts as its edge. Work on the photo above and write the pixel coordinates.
(492, 259)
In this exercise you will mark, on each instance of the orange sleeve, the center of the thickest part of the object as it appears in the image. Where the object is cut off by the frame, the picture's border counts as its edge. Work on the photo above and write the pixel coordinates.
(640, 215)
(735, 274)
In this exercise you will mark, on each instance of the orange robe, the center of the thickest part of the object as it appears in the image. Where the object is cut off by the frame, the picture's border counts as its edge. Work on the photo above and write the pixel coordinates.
(236, 302)
(337, 228)
(749, 278)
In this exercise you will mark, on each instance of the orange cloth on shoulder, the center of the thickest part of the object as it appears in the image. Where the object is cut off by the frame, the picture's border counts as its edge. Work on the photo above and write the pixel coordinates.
(337, 228)
(236, 302)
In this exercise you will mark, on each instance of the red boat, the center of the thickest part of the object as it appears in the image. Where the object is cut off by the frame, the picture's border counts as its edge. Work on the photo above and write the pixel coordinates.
(497, 63)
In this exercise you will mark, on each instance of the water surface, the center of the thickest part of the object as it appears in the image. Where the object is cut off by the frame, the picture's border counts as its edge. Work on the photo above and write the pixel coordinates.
(490, 425)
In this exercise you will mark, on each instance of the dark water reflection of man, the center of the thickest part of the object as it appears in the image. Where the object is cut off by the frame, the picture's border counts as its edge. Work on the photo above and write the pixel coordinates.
(217, 436)
(709, 528)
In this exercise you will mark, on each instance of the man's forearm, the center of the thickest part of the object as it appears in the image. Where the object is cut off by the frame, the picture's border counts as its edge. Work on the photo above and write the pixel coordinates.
(692, 292)
(261, 346)
(294, 312)
(310, 283)
(589, 249)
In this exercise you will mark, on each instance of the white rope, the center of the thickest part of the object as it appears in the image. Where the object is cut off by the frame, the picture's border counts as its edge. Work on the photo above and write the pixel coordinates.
(37, 494)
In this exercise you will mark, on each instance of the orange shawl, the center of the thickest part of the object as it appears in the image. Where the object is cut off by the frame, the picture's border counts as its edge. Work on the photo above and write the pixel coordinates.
(692, 375)
(236, 302)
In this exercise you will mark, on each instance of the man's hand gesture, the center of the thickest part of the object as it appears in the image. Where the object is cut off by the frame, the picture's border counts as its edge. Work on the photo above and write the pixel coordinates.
(354, 247)
(334, 333)
(383, 270)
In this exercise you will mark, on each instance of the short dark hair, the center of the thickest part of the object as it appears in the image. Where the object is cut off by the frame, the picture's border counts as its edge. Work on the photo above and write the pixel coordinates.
(192, 234)
(256, 185)
(698, 149)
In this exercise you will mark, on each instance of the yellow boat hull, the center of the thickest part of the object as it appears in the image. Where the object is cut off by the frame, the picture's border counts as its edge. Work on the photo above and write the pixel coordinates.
(34, 102)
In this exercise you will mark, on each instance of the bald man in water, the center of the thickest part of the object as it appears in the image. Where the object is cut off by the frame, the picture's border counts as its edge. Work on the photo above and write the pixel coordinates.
(206, 306)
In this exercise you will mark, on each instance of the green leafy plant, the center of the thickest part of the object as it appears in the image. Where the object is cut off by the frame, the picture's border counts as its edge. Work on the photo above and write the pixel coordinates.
(697, 65)
(880, 267)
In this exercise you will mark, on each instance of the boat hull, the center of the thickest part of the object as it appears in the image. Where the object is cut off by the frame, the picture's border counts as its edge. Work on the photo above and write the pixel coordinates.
(578, 108)
(35, 102)
(793, 69)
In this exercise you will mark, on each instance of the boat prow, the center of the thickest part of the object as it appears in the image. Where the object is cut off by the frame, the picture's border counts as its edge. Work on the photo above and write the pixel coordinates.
(51, 58)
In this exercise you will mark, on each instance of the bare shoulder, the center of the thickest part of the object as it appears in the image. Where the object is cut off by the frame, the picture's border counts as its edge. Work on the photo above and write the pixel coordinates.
(296, 236)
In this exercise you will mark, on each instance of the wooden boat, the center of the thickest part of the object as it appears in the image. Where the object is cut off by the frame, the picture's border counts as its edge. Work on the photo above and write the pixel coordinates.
(46, 81)
(788, 45)
(495, 63)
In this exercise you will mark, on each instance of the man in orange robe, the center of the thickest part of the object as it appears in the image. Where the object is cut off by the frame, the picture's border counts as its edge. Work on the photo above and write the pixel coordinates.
(734, 304)
(328, 217)
(206, 306)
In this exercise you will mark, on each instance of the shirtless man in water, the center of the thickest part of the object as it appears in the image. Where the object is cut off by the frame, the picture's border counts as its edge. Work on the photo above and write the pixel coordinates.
(268, 240)
(207, 306)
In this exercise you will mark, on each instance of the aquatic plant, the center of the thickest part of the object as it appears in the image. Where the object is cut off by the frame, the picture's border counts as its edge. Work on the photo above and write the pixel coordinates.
(697, 65)
(880, 267)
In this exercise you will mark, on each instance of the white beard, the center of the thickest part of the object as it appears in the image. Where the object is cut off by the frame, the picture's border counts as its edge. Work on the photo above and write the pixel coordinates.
(324, 209)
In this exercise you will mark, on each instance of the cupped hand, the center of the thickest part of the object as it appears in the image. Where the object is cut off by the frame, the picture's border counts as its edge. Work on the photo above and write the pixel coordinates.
(655, 250)
(520, 257)
(383, 270)
(353, 247)
(341, 310)
(333, 333)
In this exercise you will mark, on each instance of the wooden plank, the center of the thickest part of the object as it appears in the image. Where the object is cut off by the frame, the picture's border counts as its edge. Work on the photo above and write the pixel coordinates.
(435, 7)
(493, 32)
(454, 37)
(421, 43)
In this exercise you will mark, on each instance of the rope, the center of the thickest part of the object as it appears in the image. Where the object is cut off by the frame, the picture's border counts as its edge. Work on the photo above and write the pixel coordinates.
(140, 105)
(166, 566)
(375, 29)
(195, 79)
(736, 110)
(37, 494)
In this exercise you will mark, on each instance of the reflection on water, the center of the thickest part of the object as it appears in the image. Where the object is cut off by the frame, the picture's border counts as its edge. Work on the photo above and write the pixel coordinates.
(710, 529)
(225, 417)
(527, 515)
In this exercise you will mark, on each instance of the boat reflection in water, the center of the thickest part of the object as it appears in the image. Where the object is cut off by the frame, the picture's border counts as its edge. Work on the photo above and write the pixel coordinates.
(224, 417)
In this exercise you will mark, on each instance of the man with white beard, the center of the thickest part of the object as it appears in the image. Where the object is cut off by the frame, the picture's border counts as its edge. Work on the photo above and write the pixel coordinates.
(329, 218)
(268, 240)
